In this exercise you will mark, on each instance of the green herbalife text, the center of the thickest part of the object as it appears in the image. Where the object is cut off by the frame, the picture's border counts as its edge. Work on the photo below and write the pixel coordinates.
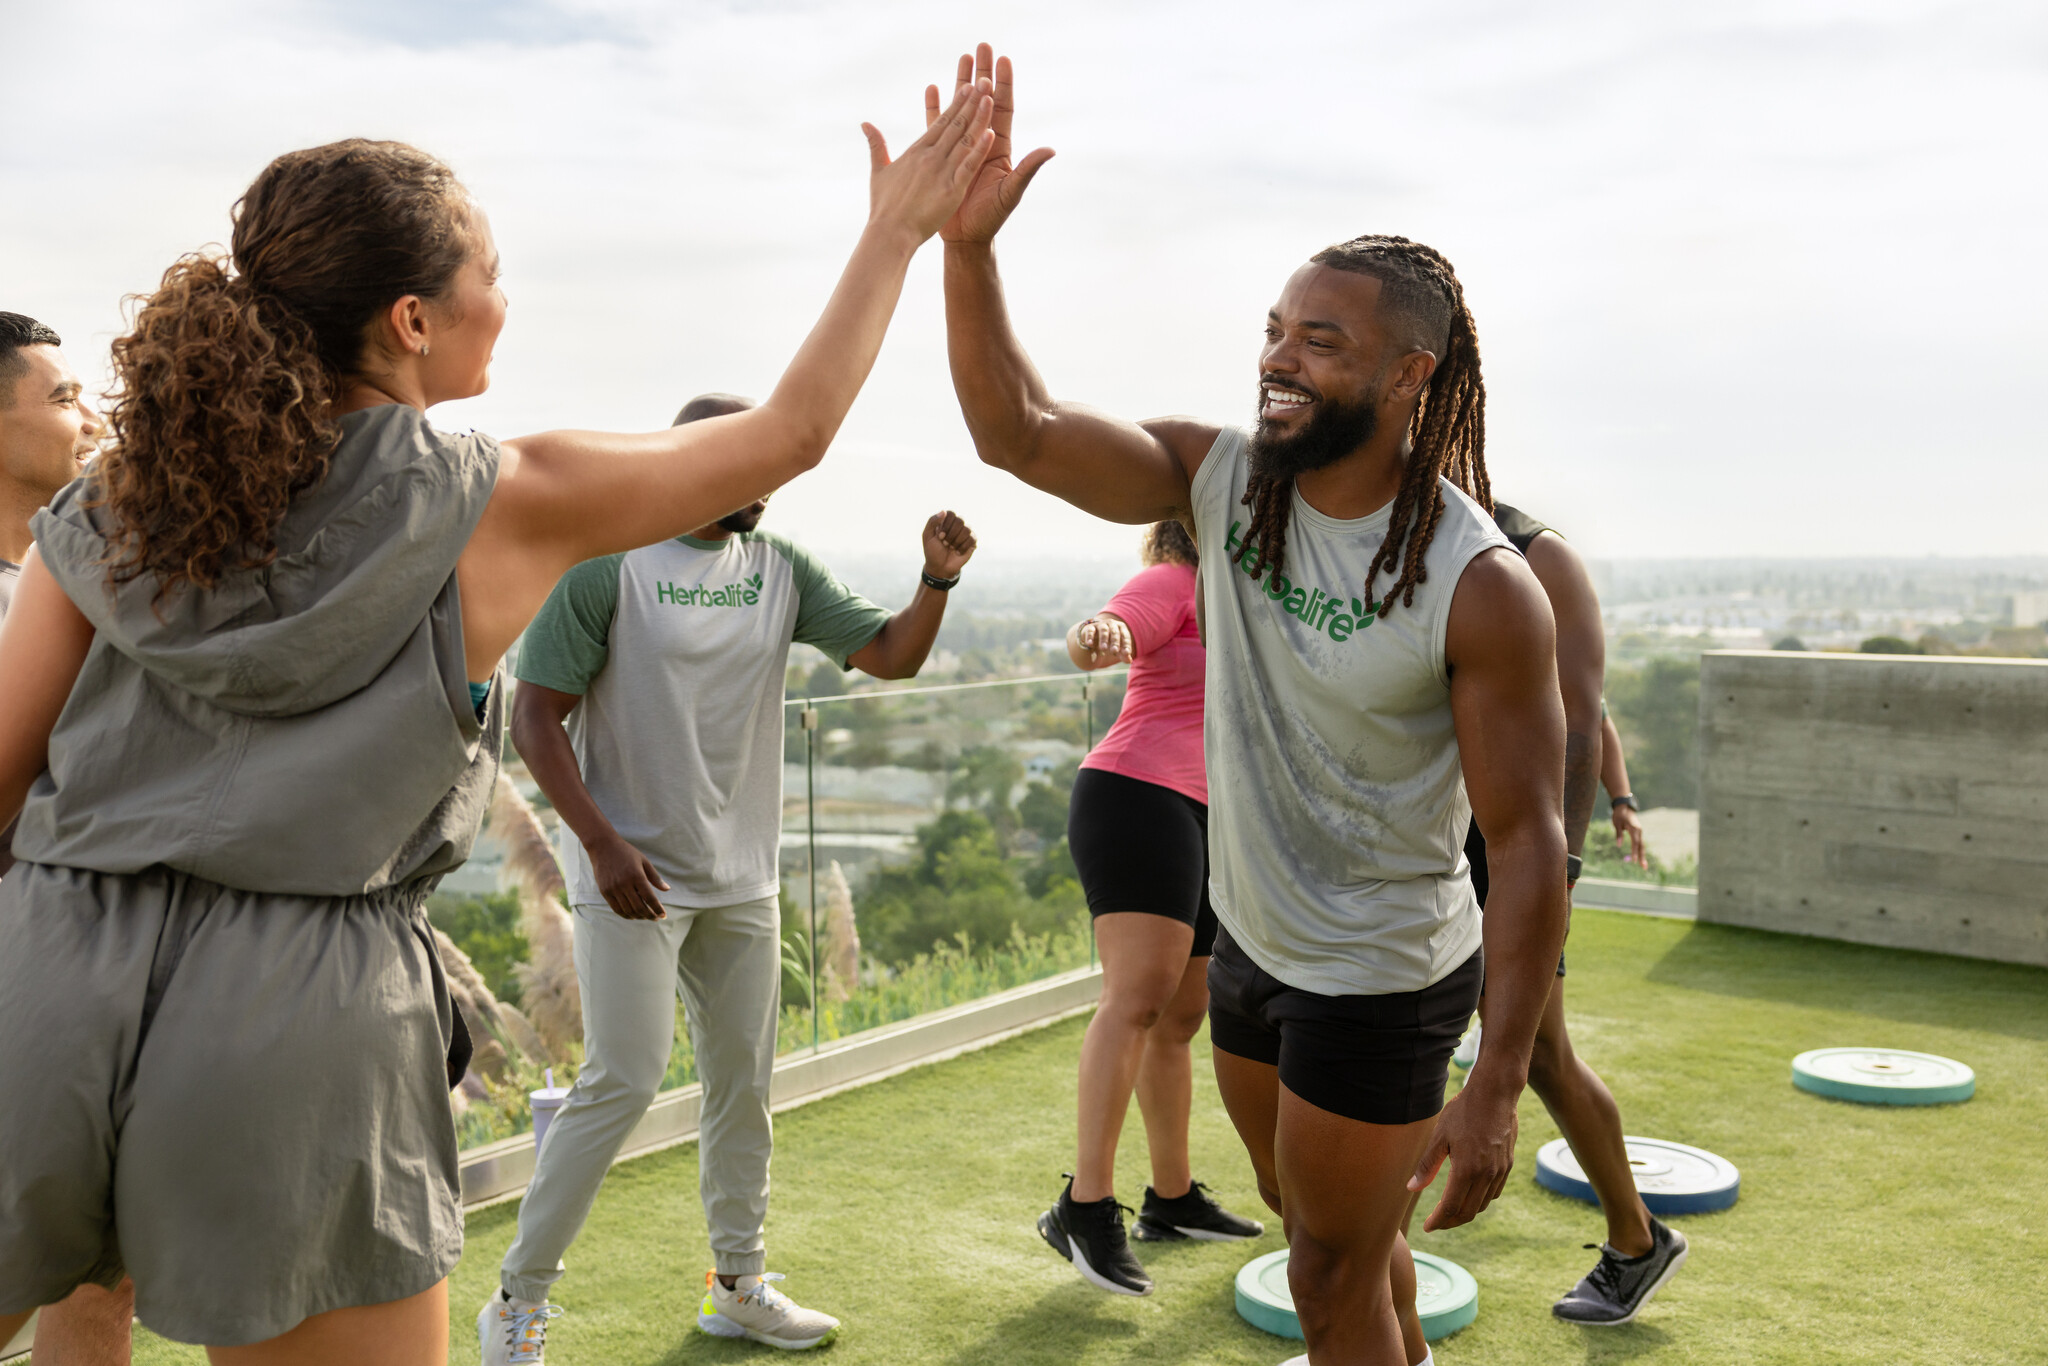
(1320, 610)
(702, 595)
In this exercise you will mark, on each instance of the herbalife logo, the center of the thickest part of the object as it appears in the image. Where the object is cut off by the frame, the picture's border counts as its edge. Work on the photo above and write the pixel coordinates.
(743, 594)
(1321, 611)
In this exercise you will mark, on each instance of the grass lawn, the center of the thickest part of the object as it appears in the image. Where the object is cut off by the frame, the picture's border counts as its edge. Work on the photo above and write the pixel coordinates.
(1864, 1235)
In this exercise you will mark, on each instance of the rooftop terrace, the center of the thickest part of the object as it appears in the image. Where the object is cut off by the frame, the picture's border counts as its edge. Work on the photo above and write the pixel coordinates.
(1863, 1234)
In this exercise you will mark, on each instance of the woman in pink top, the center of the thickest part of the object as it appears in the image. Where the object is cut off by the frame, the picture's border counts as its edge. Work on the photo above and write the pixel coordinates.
(1138, 829)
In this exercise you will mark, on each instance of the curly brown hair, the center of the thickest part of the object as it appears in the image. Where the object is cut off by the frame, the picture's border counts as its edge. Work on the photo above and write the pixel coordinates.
(1168, 542)
(223, 408)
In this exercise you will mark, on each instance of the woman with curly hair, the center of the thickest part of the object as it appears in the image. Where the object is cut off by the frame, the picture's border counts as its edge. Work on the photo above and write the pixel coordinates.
(251, 718)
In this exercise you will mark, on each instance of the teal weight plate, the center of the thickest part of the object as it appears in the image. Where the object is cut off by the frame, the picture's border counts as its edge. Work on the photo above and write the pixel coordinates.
(1883, 1076)
(1446, 1296)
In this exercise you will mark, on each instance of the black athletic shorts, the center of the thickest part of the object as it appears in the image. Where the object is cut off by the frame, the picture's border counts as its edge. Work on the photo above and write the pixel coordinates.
(1376, 1059)
(1475, 854)
(1142, 847)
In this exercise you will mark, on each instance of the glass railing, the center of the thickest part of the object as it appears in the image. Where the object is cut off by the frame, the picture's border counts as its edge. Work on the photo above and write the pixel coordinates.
(924, 852)
(924, 865)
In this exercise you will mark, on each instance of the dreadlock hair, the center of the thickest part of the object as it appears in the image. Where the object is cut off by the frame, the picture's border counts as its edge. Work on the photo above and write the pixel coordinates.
(1423, 305)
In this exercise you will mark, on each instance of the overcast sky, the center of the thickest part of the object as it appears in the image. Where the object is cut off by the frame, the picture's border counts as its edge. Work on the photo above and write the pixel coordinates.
(1749, 278)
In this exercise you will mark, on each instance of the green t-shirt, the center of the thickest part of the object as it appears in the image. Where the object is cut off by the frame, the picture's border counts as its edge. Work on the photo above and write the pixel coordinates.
(678, 651)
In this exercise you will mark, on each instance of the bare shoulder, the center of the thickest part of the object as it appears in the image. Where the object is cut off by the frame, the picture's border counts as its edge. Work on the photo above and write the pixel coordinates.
(1188, 439)
(1555, 560)
(1499, 610)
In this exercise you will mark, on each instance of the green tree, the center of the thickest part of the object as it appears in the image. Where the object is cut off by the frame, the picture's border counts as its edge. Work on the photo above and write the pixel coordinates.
(959, 883)
(487, 929)
(826, 680)
(1888, 645)
(984, 777)
(1044, 811)
(1657, 709)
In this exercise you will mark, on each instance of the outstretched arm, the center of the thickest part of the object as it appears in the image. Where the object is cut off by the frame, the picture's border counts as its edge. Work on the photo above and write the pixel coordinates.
(565, 497)
(1120, 470)
(900, 647)
(1502, 648)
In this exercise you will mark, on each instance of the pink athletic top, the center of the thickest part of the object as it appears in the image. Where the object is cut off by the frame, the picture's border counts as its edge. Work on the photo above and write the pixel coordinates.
(1157, 737)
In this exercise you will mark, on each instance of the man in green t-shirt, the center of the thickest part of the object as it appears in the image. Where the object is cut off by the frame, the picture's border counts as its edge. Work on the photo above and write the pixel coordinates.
(667, 666)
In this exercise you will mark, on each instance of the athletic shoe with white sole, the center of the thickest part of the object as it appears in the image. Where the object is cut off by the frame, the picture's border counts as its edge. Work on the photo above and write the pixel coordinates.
(1193, 1215)
(513, 1332)
(1091, 1236)
(1616, 1289)
(755, 1309)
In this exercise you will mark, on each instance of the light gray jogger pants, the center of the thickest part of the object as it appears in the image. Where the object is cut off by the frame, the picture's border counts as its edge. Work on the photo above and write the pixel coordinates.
(726, 964)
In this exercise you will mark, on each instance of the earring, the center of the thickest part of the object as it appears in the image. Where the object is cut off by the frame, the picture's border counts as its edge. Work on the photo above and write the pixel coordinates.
(425, 349)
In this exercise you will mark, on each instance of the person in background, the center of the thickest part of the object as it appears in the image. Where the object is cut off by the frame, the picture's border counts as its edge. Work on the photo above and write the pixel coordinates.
(1138, 827)
(1641, 1252)
(47, 432)
(650, 711)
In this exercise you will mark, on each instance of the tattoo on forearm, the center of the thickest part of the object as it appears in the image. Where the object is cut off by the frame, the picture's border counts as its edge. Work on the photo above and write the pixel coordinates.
(1581, 786)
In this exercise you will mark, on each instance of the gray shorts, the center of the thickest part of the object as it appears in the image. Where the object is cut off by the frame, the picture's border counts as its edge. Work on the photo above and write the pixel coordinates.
(237, 1098)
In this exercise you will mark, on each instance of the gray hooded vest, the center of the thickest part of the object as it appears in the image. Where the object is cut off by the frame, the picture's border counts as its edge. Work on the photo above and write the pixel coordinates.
(303, 728)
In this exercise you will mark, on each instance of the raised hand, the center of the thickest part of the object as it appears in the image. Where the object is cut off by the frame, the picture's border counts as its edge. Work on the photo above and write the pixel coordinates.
(998, 186)
(921, 189)
(948, 545)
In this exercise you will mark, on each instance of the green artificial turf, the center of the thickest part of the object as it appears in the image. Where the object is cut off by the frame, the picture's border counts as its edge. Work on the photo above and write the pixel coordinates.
(1864, 1234)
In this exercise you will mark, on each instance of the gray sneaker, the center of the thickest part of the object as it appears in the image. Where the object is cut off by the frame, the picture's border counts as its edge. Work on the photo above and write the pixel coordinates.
(754, 1308)
(513, 1332)
(1616, 1289)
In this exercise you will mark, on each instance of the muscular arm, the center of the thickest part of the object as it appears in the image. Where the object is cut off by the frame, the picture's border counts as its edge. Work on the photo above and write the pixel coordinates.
(1581, 673)
(1118, 470)
(1628, 827)
(42, 648)
(627, 880)
(1501, 646)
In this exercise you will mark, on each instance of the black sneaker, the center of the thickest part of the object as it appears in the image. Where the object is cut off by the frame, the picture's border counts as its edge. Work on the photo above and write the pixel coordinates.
(1616, 1290)
(1091, 1236)
(1193, 1215)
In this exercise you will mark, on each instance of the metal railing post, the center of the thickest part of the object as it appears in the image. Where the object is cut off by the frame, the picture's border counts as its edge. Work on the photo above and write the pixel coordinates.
(1088, 707)
(808, 719)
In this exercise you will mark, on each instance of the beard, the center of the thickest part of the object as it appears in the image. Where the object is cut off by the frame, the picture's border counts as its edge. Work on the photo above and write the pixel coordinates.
(1333, 432)
(745, 520)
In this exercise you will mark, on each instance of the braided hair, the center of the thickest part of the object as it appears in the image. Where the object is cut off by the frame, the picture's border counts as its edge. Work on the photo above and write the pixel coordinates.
(1419, 295)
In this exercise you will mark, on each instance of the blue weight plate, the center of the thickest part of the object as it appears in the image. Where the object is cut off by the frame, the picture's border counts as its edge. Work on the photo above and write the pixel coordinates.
(1671, 1177)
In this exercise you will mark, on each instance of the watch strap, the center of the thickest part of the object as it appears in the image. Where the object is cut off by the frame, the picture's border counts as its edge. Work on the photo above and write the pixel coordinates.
(937, 584)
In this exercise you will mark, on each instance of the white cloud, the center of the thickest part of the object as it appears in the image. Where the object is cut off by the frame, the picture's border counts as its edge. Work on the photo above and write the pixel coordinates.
(1753, 278)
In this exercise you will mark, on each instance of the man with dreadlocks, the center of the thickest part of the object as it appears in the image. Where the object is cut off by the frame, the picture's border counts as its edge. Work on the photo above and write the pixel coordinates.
(1376, 652)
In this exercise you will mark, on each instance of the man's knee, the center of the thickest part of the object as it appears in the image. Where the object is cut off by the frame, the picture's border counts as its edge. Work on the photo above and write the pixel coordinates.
(1550, 1063)
(1331, 1281)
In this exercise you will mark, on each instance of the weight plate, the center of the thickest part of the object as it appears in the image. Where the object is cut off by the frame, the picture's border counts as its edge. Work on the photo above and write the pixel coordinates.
(1671, 1177)
(1881, 1076)
(1446, 1296)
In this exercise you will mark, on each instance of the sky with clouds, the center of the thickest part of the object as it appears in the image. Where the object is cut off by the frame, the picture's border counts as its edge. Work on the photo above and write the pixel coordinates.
(1750, 278)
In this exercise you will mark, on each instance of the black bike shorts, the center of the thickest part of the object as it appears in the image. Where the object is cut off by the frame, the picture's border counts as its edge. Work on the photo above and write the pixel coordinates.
(1142, 847)
(1376, 1059)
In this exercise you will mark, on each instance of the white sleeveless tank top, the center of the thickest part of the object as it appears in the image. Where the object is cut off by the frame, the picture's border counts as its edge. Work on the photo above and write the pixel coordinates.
(1337, 807)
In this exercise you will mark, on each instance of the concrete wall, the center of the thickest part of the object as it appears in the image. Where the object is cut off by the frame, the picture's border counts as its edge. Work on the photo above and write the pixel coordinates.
(1884, 799)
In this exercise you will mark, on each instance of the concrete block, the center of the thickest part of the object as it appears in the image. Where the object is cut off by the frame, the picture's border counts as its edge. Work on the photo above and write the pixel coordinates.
(1885, 799)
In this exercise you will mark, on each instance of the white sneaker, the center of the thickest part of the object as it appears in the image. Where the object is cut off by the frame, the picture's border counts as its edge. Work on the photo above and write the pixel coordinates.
(755, 1309)
(513, 1332)
(1467, 1053)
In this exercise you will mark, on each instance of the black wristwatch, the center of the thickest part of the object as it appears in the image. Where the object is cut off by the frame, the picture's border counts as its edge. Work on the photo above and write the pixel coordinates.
(1572, 864)
(1625, 799)
(937, 584)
